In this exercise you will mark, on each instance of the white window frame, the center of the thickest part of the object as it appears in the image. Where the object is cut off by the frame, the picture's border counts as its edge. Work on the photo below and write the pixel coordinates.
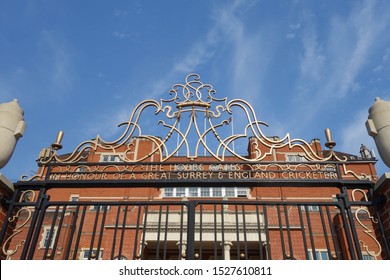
(86, 250)
(110, 157)
(320, 253)
(311, 208)
(74, 197)
(101, 207)
(293, 157)
(202, 192)
(368, 257)
(45, 236)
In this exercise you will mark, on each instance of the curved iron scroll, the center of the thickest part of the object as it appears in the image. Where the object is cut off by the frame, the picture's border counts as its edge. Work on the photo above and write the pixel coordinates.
(191, 99)
(366, 230)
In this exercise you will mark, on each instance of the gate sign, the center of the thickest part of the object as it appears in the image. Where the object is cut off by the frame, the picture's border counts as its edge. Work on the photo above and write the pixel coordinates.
(191, 172)
(194, 124)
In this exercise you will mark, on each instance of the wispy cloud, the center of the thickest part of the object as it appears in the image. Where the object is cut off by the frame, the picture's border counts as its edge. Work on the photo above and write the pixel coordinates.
(125, 35)
(313, 59)
(386, 56)
(352, 42)
(293, 30)
(227, 29)
(332, 62)
(59, 61)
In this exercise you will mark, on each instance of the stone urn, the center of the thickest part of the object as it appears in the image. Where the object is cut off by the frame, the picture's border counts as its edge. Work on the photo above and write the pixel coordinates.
(12, 127)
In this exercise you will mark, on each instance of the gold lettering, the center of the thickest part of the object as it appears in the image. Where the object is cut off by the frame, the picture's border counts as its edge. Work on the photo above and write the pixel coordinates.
(55, 177)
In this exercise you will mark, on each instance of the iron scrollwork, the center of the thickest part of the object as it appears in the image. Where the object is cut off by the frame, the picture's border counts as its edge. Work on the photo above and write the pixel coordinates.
(28, 195)
(366, 230)
(190, 101)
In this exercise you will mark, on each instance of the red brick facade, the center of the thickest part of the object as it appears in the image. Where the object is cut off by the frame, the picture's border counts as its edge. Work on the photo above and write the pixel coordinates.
(158, 196)
(285, 230)
(382, 195)
(5, 195)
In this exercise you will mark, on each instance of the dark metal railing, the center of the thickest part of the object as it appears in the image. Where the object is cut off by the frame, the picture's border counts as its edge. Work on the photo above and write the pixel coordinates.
(189, 229)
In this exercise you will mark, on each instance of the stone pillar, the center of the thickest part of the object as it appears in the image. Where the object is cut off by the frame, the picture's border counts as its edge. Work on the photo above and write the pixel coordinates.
(382, 198)
(183, 253)
(226, 247)
(378, 127)
(6, 191)
(12, 127)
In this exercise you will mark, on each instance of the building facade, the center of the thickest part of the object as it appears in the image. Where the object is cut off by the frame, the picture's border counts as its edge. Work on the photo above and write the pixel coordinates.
(189, 190)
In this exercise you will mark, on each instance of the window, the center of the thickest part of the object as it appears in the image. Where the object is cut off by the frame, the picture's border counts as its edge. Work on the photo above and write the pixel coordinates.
(321, 254)
(87, 254)
(241, 192)
(100, 207)
(229, 192)
(74, 198)
(180, 192)
(48, 237)
(205, 192)
(168, 192)
(110, 158)
(80, 169)
(217, 192)
(295, 158)
(368, 258)
(193, 192)
(310, 208)
(330, 168)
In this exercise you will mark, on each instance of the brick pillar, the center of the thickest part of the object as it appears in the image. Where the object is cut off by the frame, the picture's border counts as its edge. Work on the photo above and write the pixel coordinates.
(382, 197)
(6, 191)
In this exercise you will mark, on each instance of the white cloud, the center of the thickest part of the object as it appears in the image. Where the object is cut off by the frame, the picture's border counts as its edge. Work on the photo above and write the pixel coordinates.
(332, 62)
(60, 61)
(120, 13)
(290, 36)
(378, 68)
(227, 29)
(330, 65)
(313, 60)
(360, 31)
(124, 35)
(386, 55)
(295, 26)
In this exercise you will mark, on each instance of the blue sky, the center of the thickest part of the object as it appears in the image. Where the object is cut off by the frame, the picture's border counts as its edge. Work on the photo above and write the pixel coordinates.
(82, 66)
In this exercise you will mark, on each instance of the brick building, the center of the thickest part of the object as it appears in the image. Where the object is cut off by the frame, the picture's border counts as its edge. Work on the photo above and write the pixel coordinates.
(188, 191)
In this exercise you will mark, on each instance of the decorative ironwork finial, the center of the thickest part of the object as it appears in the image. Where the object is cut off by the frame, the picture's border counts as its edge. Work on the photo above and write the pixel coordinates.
(191, 93)
(329, 141)
(57, 144)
